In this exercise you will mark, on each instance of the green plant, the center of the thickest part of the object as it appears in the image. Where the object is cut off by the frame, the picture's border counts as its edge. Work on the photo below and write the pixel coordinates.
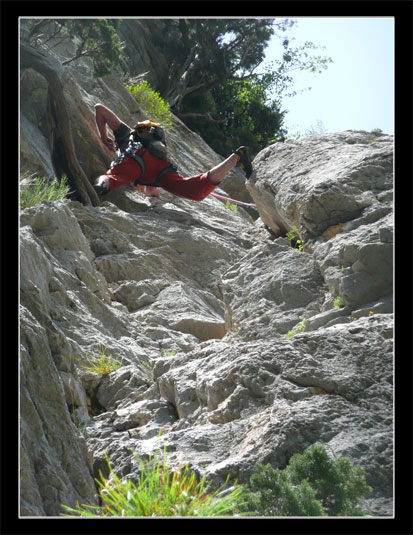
(231, 206)
(96, 39)
(151, 103)
(272, 494)
(300, 328)
(168, 353)
(338, 302)
(102, 364)
(312, 484)
(295, 242)
(147, 368)
(213, 85)
(41, 190)
(160, 492)
(82, 428)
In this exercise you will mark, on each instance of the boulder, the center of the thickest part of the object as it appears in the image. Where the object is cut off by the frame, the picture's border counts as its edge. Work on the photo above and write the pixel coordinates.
(321, 182)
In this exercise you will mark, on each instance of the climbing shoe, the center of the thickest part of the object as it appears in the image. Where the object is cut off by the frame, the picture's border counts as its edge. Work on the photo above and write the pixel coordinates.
(244, 160)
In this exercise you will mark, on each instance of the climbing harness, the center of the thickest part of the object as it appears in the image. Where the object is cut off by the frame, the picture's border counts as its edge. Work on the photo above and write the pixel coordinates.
(150, 136)
(251, 205)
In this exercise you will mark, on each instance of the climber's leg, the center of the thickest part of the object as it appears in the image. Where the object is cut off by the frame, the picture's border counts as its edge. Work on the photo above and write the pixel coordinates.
(199, 186)
(220, 171)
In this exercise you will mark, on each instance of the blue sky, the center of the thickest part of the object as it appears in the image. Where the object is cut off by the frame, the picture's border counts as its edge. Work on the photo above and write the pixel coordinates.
(356, 92)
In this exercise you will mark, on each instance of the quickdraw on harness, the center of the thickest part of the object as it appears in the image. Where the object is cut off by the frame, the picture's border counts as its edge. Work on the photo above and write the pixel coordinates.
(146, 135)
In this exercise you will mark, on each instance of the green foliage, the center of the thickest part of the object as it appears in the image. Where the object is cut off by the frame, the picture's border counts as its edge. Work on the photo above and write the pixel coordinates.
(94, 38)
(230, 206)
(41, 190)
(151, 103)
(168, 353)
(102, 364)
(217, 69)
(245, 116)
(312, 484)
(160, 492)
(272, 494)
(97, 39)
(292, 235)
(338, 302)
(301, 58)
(300, 328)
(146, 368)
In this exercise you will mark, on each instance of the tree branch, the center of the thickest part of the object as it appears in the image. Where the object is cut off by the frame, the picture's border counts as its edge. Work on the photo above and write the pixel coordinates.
(205, 119)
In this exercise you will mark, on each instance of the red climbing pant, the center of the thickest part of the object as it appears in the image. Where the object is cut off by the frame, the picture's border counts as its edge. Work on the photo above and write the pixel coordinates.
(196, 187)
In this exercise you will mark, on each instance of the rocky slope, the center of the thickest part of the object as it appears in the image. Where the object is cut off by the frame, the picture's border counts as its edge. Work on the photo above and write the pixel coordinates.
(198, 301)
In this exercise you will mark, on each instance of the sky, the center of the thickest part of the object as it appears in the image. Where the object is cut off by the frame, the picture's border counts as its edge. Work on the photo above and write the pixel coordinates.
(356, 92)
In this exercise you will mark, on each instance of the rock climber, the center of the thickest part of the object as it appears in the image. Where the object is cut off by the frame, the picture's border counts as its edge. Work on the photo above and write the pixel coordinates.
(127, 169)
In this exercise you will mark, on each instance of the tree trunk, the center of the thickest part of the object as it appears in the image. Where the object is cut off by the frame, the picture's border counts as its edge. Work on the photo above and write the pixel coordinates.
(52, 72)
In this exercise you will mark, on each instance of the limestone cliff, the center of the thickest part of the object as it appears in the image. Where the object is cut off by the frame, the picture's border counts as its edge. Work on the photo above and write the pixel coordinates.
(197, 300)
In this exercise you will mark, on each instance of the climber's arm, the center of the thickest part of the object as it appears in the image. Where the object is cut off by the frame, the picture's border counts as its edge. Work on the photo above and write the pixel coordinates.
(104, 118)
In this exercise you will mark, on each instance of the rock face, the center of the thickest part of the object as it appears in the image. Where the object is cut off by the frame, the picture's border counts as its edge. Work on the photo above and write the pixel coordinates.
(232, 350)
(334, 186)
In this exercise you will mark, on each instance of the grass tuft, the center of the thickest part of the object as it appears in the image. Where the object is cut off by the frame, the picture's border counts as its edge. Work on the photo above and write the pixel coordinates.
(42, 189)
(160, 492)
(102, 364)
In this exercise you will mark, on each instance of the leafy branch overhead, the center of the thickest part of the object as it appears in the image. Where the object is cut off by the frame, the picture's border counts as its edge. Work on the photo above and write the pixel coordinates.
(219, 83)
(95, 38)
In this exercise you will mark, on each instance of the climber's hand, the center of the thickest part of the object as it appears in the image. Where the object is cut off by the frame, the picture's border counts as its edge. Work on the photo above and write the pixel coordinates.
(109, 143)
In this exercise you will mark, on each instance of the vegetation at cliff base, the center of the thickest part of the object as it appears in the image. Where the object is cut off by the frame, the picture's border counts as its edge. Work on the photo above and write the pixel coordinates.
(160, 491)
(312, 484)
(42, 189)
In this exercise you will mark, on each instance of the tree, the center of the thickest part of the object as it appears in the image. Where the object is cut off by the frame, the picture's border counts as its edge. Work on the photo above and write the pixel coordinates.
(337, 483)
(203, 53)
(214, 84)
(244, 117)
(95, 38)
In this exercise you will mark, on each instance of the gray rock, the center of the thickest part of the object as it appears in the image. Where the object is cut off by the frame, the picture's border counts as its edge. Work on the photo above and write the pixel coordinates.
(321, 181)
(357, 265)
(241, 403)
(325, 318)
(270, 289)
(54, 459)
